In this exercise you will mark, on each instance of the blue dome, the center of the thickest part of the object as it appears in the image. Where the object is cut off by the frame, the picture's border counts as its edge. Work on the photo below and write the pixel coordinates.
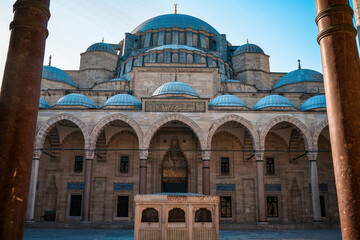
(43, 103)
(174, 21)
(123, 100)
(227, 100)
(102, 47)
(248, 48)
(75, 99)
(123, 78)
(230, 81)
(314, 102)
(300, 75)
(175, 88)
(56, 74)
(175, 47)
(273, 101)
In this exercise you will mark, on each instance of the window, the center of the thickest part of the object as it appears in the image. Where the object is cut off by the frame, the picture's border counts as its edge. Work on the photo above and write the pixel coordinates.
(176, 215)
(122, 206)
(322, 206)
(225, 207)
(224, 166)
(270, 166)
(124, 164)
(78, 164)
(272, 207)
(203, 215)
(75, 205)
(150, 215)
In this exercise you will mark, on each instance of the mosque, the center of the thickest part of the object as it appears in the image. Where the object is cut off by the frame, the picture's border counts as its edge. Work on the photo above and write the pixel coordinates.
(175, 107)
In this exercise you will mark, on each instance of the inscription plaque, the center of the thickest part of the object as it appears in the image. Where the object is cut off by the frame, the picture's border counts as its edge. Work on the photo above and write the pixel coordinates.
(174, 106)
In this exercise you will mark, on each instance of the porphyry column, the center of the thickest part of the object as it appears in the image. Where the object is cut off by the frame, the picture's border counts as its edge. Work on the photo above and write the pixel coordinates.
(260, 186)
(315, 196)
(341, 68)
(19, 103)
(33, 183)
(143, 171)
(85, 217)
(206, 172)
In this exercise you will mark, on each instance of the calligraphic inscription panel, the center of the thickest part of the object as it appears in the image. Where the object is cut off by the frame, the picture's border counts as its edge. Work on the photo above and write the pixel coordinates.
(174, 106)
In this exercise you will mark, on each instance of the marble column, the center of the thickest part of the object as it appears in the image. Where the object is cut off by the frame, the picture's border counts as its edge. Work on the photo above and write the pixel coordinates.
(143, 171)
(206, 172)
(341, 69)
(19, 104)
(33, 183)
(262, 216)
(85, 216)
(315, 196)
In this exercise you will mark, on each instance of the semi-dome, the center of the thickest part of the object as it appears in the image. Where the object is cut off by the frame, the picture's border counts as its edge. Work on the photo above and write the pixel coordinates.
(101, 47)
(56, 74)
(314, 102)
(299, 75)
(75, 99)
(175, 88)
(123, 78)
(248, 48)
(175, 47)
(227, 100)
(123, 100)
(273, 101)
(174, 21)
(43, 103)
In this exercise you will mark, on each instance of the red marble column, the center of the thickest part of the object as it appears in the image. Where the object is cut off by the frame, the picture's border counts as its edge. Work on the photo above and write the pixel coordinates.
(341, 68)
(85, 217)
(206, 172)
(143, 171)
(19, 103)
(262, 216)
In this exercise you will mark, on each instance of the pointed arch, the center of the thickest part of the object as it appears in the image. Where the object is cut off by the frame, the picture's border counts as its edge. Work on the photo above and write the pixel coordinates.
(319, 128)
(304, 131)
(174, 117)
(235, 118)
(107, 120)
(45, 128)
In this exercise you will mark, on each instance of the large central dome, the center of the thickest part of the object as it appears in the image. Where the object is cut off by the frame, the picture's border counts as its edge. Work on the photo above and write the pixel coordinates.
(173, 21)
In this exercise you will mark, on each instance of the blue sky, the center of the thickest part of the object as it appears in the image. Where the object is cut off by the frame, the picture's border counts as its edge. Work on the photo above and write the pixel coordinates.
(284, 29)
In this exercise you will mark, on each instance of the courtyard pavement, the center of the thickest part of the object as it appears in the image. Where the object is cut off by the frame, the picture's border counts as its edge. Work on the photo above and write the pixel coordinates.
(108, 234)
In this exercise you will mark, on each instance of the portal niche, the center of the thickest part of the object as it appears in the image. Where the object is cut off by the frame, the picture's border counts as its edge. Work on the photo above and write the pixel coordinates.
(174, 169)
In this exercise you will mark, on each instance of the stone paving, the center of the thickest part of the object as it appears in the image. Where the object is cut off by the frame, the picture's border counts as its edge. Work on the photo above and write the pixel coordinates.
(100, 234)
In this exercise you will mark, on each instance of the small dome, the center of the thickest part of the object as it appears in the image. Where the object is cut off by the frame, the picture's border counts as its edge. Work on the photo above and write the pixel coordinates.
(123, 78)
(123, 100)
(43, 103)
(174, 21)
(273, 101)
(56, 74)
(314, 102)
(227, 100)
(175, 47)
(230, 81)
(300, 75)
(75, 99)
(175, 88)
(102, 47)
(248, 48)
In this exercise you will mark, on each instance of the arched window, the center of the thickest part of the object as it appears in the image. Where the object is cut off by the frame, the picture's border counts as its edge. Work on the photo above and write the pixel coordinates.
(160, 58)
(150, 215)
(176, 215)
(189, 58)
(203, 215)
(175, 58)
(146, 59)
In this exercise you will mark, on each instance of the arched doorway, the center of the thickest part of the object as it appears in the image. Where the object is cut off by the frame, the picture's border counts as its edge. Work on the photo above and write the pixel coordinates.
(174, 169)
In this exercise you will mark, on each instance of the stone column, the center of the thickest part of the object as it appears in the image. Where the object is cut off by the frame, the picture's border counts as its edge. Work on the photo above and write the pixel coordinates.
(32, 188)
(341, 68)
(356, 4)
(262, 216)
(19, 104)
(143, 171)
(315, 196)
(206, 172)
(85, 217)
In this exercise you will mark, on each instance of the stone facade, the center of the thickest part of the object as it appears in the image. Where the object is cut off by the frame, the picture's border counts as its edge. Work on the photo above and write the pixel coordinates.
(89, 163)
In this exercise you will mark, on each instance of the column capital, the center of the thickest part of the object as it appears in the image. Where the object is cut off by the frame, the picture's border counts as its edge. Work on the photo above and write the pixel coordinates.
(144, 153)
(89, 154)
(37, 154)
(259, 155)
(205, 154)
(312, 156)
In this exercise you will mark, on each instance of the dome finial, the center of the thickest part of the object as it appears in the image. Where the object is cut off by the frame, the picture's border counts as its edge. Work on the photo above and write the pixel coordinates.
(247, 41)
(175, 8)
(102, 39)
(299, 63)
(50, 60)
